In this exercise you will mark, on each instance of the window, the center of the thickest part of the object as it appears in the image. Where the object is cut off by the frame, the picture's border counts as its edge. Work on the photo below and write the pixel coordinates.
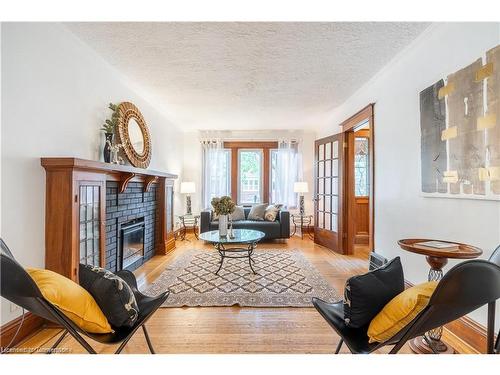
(250, 181)
(216, 174)
(274, 175)
(250, 170)
(285, 170)
(361, 176)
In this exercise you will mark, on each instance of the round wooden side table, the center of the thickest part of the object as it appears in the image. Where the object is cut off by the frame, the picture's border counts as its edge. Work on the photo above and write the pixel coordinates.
(437, 258)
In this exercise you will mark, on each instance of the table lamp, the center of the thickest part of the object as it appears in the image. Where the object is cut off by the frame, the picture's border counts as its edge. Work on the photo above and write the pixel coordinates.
(301, 188)
(187, 188)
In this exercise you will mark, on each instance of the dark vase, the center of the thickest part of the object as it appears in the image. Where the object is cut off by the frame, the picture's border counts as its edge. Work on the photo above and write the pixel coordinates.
(107, 150)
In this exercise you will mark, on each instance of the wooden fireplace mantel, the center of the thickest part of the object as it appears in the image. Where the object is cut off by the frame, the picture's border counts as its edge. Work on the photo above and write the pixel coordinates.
(92, 165)
(66, 180)
(114, 172)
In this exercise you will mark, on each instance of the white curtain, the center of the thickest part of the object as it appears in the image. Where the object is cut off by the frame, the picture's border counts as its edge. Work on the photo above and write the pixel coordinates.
(288, 171)
(215, 172)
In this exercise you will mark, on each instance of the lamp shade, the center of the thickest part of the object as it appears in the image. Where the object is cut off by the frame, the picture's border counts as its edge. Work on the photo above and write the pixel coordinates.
(187, 187)
(300, 187)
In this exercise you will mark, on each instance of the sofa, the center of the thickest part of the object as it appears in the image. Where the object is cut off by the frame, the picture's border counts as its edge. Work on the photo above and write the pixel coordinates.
(278, 229)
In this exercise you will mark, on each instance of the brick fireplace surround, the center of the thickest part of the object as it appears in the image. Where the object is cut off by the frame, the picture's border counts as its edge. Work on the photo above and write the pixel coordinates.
(133, 203)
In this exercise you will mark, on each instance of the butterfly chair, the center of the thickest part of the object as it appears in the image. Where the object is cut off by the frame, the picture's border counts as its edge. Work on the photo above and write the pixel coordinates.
(494, 258)
(463, 289)
(18, 287)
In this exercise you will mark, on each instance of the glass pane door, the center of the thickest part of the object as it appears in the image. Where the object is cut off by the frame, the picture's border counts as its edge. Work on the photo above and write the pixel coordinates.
(328, 163)
(90, 223)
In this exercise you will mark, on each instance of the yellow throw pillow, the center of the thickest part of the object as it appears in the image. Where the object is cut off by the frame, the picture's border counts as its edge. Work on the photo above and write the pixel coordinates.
(400, 311)
(69, 297)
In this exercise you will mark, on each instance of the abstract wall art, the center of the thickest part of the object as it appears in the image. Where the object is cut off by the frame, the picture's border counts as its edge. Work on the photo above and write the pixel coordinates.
(460, 132)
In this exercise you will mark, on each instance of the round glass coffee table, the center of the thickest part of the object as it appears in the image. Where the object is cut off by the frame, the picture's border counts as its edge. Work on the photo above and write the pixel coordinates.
(248, 237)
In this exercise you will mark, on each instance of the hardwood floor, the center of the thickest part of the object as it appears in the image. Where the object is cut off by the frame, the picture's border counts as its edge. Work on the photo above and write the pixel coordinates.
(235, 329)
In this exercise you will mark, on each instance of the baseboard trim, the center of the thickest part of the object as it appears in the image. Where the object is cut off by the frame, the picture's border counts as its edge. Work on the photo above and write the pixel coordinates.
(32, 323)
(466, 329)
(308, 229)
(470, 332)
(361, 239)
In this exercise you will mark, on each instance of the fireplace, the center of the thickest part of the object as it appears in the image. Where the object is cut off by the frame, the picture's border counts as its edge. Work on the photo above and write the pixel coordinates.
(132, 242)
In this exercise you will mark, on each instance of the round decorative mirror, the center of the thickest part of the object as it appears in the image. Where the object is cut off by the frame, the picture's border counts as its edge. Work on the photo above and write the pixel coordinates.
(133, 134)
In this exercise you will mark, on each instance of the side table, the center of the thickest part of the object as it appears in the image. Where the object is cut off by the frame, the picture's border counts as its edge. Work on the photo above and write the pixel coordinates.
(437, 258)
(188, 222)
(304, 222)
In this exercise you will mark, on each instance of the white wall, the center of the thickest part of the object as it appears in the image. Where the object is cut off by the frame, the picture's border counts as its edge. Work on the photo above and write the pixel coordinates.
(192, 157)
(55, 91)
(0, 131)
(400, 210)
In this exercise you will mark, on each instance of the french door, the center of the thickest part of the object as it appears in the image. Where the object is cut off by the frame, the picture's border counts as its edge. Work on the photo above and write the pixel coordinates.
(328, 166)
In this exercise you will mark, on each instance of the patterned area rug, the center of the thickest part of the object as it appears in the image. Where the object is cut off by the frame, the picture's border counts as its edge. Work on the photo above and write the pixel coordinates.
(284, 279)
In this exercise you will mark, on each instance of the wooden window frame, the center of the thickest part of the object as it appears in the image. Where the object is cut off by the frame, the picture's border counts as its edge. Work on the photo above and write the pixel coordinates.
(266, 148)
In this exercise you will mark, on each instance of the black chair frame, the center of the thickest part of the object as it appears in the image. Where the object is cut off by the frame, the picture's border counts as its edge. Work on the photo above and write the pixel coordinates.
(18, 287)
(494, 258)
(466, 287)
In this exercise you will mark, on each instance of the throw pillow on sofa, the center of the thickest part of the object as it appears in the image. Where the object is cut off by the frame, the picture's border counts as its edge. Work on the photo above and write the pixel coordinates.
(257, 212)
(112, 293)
(272, 212)
(238, 214)
(366, 295)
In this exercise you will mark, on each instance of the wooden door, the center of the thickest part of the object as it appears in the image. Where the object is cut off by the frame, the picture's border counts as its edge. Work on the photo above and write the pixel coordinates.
(361, 123)
(357, 191)
(328, 165)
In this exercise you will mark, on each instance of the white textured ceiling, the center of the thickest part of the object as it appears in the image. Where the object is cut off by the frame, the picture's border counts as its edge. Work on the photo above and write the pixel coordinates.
(248, 75)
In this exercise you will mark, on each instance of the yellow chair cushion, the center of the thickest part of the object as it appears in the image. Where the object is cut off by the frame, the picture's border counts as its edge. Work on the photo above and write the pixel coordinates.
(400, 311)
(69, 297)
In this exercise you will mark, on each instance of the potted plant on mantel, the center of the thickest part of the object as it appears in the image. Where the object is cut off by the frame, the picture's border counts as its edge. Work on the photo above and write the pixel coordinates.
(223, 207)
(109, 129)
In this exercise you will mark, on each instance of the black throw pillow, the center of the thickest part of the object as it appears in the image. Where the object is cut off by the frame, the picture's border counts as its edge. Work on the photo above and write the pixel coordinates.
(366, 295)
(112, 294)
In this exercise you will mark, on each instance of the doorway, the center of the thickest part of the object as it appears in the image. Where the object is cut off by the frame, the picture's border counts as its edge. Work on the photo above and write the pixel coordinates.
(344, 187)
(359, 183)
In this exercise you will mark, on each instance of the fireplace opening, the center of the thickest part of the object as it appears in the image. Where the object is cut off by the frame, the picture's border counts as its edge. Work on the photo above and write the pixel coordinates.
(132, 242)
